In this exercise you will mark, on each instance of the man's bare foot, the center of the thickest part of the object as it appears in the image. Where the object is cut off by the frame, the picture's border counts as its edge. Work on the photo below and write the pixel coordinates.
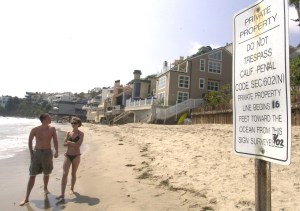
(60, 197)
(23, 202)
(72, 191)
(46, 191)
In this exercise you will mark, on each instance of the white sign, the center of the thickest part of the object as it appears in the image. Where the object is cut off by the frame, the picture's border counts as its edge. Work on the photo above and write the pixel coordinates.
(261, 86)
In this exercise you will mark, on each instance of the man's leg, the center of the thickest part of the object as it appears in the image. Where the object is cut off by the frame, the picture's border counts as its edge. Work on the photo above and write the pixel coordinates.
(29, 188)
(47, 165)
(46, 181)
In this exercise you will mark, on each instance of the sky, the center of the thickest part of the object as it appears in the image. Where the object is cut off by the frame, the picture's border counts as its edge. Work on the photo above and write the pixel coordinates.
(75, 46)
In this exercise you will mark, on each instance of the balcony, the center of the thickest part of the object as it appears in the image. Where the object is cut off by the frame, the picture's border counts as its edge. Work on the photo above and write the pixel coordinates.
(139, 104)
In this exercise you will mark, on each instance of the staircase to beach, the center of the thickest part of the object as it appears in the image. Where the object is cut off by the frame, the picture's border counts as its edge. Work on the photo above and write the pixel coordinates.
(122, 117)
(167, 113)
(161, 113)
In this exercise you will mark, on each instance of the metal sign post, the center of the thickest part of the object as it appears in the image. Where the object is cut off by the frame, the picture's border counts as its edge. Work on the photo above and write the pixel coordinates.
(262, 185)
(261, 90)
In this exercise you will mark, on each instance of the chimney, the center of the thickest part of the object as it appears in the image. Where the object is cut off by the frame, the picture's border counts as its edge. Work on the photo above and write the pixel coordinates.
(137, 74)
(165, 66)
(117, 83)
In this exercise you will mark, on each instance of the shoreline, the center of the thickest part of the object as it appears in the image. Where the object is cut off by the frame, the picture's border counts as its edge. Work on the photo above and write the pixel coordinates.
(15, 176)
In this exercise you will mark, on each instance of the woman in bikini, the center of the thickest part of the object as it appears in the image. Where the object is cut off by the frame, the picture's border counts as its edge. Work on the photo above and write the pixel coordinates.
(73, 141)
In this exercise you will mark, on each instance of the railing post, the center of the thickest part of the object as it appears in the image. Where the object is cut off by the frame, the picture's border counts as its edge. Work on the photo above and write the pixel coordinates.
(165, 115)
(176, 110)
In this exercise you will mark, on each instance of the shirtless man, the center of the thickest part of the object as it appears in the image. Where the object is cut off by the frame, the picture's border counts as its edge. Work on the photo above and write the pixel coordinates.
(41, 156)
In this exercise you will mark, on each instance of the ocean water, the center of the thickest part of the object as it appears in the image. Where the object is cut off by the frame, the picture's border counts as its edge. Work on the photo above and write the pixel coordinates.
(14, 133)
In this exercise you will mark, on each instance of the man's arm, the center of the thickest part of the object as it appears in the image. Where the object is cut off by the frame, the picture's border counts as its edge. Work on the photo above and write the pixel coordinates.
(30, 139)
(55, 142)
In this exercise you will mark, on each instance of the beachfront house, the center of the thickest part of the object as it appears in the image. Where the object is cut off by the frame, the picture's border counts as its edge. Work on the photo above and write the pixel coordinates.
(142, 88)
(193, 77)
(91, 108)
(120, 94)
(108, 104)
(95, 107)
(65, 105)
(138, 105)
(183, 85)
(114, 104)
(179, 87)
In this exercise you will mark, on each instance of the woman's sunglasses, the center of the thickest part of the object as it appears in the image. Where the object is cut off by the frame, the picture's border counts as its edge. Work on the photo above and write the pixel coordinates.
(74, 123)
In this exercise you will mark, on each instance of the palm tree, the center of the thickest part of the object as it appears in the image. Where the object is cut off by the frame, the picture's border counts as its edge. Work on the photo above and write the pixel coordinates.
(296, 4)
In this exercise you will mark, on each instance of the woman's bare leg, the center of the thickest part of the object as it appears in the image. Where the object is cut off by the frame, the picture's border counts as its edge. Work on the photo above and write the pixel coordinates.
(75, 164)
(64, 180)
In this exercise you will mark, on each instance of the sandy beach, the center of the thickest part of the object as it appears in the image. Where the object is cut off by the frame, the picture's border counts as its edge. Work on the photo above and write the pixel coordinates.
(156, 167)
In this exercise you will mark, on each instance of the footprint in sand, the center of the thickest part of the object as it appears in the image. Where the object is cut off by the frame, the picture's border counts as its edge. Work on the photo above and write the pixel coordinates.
(213, 201)
(130, 165)
(297, 186)
(206, 208)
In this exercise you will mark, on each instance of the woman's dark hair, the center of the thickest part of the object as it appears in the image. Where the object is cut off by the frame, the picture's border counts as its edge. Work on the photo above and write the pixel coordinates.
(76, 119)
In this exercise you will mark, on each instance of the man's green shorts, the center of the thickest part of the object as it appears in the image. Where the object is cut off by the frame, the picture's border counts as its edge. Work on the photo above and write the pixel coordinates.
(41, 162)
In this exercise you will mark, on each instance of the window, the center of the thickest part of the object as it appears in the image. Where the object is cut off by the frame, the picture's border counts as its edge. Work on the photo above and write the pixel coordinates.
(202, 65)
(216, 56)
(183, 68)
(182, 96)
(162, 82)
(201, 83)
(214, 67)
(161, 98)
(149, 89)
(184, 81)
(213, 86)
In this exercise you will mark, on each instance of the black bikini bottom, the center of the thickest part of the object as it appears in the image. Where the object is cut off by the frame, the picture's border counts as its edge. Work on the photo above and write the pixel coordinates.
(71, 157)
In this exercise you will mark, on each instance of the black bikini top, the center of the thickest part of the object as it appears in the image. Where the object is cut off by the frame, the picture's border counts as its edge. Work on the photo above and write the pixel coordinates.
(69, 138)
